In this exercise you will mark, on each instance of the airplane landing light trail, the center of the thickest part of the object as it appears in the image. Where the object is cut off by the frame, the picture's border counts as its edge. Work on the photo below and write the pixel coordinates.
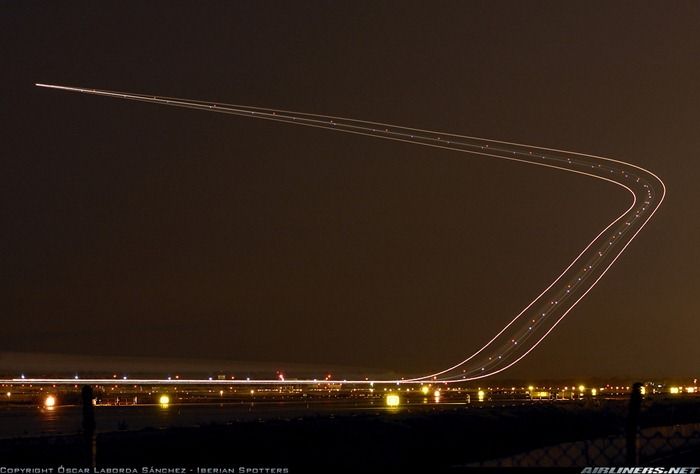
(538, 318)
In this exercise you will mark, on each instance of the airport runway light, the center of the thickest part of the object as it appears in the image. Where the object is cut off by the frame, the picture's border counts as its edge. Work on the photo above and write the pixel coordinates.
(50, 401)
(164, 400)
(392, 400)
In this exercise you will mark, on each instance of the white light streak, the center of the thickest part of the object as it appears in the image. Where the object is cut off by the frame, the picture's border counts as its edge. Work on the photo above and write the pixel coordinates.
(518, 337)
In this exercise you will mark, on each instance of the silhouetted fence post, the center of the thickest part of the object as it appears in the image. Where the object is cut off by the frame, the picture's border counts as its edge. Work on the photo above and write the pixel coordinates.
(632, 429)
(89, 426)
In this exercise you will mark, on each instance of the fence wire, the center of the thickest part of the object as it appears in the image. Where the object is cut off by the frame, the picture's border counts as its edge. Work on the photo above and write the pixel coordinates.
(652, 445)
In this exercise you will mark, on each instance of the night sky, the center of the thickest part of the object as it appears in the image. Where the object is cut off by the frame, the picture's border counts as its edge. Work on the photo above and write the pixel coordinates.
(133, 229)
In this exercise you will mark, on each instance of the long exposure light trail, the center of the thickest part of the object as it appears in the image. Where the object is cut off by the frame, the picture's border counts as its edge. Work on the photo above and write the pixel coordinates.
(540, 317)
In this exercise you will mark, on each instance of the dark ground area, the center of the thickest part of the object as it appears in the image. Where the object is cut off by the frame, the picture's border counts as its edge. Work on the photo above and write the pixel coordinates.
(407, 440)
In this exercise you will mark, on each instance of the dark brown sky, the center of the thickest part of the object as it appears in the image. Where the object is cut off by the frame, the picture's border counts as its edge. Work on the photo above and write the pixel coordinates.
(132, 229)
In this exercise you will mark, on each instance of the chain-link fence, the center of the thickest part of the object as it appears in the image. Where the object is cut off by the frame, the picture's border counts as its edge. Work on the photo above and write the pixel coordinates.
(652, 445)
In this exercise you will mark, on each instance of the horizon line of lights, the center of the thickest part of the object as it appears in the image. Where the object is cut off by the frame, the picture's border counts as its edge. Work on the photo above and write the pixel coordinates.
(424, 387)
(393, 400)
(571, 162)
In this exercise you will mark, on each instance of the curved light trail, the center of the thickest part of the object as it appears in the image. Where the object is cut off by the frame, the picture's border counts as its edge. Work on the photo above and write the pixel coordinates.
(541, 316)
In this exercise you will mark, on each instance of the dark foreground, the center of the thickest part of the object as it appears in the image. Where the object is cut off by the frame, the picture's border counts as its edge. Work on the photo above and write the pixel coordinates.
(406, 440)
